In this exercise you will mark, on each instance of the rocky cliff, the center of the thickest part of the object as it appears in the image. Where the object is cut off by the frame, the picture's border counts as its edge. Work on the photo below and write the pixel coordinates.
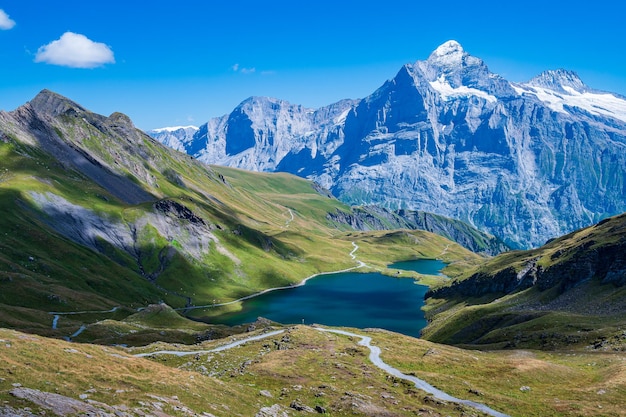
(596, 253)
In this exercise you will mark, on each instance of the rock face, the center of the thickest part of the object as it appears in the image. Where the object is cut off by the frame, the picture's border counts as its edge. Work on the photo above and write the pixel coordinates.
(177, 137)
(525, 162)
(169, 218)
(567, 292)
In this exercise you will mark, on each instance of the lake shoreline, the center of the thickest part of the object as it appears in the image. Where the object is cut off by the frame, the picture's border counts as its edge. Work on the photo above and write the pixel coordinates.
(360, 264)
(358, 299)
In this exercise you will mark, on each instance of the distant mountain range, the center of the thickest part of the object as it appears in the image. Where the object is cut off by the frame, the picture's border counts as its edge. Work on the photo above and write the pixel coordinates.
(523, 161)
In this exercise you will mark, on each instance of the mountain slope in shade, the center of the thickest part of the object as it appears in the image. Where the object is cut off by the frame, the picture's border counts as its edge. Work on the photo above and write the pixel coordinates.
(523, 161)
(379, 218)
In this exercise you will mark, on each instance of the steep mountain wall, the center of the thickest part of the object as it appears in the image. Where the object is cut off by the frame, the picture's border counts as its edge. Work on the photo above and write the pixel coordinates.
(525, 162)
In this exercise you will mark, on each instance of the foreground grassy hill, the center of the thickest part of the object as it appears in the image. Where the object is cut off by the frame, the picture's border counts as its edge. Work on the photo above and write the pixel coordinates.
(299, 371)
(96, 217)
(570, 293)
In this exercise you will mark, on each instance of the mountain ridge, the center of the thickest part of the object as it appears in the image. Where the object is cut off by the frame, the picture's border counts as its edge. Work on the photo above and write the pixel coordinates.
(525, 162)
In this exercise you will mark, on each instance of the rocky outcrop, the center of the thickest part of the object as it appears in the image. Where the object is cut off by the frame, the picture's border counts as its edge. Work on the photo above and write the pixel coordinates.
(178, 210)
(597, 253)
(171, 221)
(275, 410)
(60, 405)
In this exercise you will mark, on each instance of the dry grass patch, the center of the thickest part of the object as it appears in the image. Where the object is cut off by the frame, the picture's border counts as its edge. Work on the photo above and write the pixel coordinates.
(520, 383)
(110, 376)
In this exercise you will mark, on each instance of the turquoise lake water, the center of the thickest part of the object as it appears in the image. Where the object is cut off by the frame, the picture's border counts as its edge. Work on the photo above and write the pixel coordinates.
(345, 299)
(423, 266)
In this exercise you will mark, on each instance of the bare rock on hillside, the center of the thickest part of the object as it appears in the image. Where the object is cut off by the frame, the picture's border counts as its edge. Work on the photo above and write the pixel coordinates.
(274, 411)
(58, 404)
(8, 411)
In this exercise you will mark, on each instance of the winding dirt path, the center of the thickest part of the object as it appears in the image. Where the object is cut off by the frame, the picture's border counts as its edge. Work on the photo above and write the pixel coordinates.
(374, 357)
(292, 218)
(69, 313)
(217, 349)
(56, 315)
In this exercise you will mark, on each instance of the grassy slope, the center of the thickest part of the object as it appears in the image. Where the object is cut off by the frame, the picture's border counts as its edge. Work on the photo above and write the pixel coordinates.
(570, 308)
(316, 369)
(42, 271)
(561, 383)
(107, 375)
(586, 380)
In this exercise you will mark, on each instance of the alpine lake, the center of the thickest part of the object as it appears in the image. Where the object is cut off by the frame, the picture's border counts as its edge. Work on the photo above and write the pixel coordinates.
(349, 299)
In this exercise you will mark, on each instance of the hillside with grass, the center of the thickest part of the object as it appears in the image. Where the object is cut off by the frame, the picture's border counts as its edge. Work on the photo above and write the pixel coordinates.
(99, 221)
(570, 293)
(300, 371)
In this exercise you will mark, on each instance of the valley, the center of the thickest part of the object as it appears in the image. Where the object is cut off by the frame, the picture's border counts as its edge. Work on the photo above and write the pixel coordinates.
(187, 236)
(114, 248)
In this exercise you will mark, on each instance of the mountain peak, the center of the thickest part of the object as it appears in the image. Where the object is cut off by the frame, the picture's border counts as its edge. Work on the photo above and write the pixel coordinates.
(450, 57)
(558, 79)
(450, 47)
(448, 54)
(452, 67)
(49, 102)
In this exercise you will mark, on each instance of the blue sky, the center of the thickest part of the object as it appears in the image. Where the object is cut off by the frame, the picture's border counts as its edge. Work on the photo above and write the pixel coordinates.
(170, 63)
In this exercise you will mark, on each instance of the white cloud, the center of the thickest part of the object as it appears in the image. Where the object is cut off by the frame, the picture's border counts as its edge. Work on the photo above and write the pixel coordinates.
(6, 22)
(76, 51)
(238, 68)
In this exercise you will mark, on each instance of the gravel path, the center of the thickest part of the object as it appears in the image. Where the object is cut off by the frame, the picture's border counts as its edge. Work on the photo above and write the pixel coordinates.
(420, 384)
(217, 349)
(69, 313)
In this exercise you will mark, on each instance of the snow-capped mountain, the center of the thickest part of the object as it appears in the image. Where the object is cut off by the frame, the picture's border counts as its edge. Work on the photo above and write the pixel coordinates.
(524, 161)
